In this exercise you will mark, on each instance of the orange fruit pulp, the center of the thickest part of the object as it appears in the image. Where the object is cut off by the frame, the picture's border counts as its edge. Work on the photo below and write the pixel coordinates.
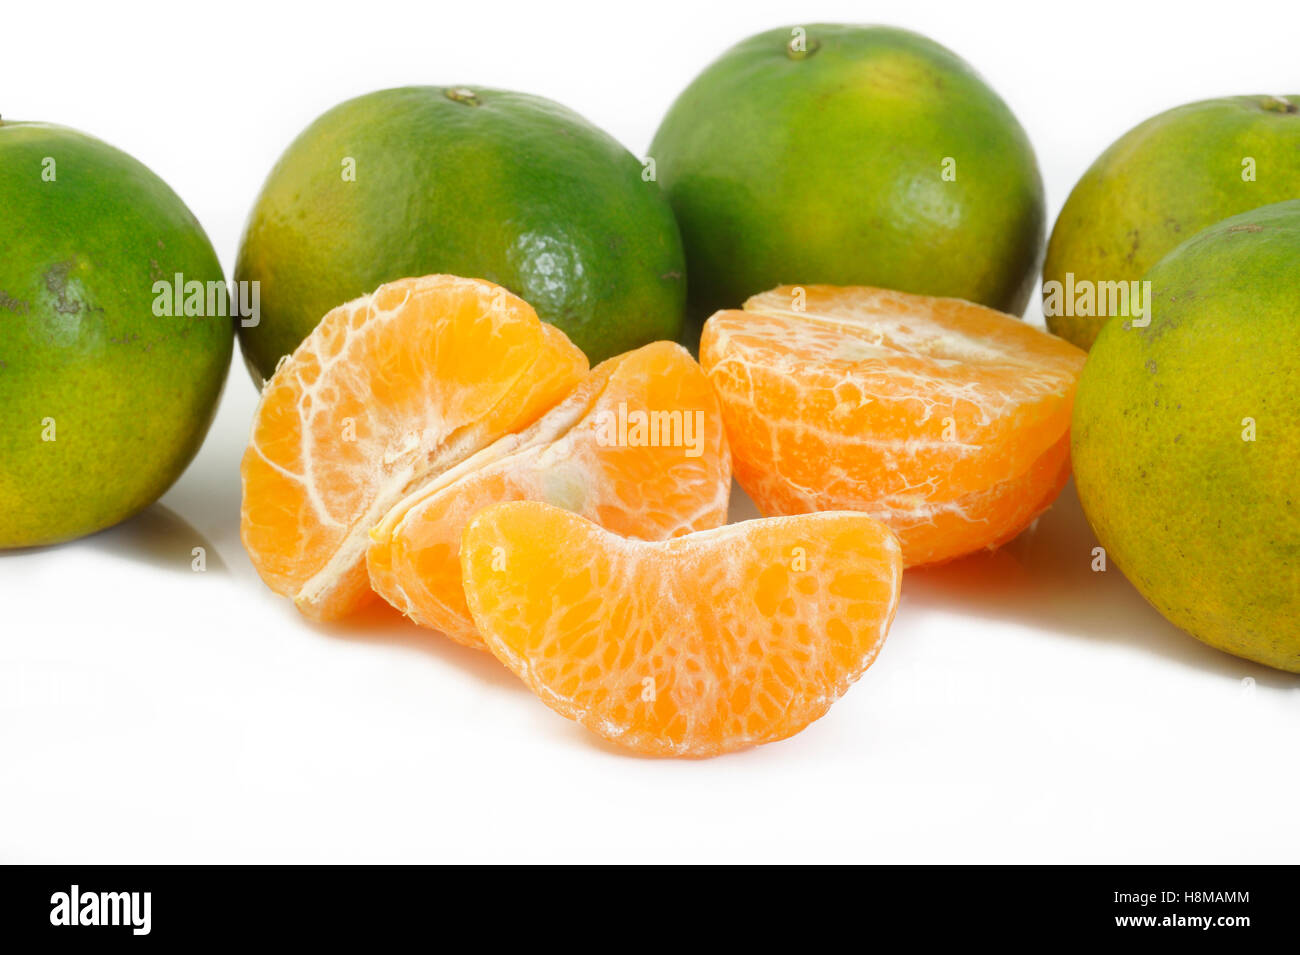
(388, 392)
(638, 447)
(693, 646)
(946, 420)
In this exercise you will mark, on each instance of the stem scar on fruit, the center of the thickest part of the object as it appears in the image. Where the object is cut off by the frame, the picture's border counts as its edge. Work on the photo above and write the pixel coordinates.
(795, 52)
(1278, 104)
(462, 94)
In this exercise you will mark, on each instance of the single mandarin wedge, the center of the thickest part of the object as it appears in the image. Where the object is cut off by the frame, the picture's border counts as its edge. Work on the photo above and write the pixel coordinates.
(389, 391)
(693, 646)
(638, 447)
(946, 420)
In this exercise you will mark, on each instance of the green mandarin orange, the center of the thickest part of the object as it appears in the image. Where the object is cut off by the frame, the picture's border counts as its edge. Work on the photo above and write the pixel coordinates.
(104, 397)
(479, 182)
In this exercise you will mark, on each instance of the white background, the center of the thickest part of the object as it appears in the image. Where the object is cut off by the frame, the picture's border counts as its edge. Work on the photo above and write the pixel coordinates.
(1024, 708)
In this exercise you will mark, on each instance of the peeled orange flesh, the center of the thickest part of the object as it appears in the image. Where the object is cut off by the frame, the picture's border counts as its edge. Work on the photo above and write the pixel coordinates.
(389, 391)
(945, 420)
(637, 447)
(694, 646)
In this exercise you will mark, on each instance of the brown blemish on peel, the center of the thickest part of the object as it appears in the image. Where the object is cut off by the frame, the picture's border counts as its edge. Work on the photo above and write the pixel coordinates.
(11, 304)
(56, 283)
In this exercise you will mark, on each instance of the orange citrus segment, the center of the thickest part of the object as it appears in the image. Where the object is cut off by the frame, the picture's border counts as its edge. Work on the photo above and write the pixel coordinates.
(945, 419)
(389, 390)
(991, 516)
(693, 646)
(638, 447)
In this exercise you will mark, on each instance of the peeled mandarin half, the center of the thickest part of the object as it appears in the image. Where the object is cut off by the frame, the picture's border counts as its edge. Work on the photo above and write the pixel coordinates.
(638, 447)
(946, 420)
(694, 646)
(389, 392)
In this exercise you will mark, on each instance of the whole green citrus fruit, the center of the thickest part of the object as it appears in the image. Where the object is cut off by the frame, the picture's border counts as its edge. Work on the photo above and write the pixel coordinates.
(476, 182)
(1186, 437)
(850, 155)
(1162, 182)
(104, 396)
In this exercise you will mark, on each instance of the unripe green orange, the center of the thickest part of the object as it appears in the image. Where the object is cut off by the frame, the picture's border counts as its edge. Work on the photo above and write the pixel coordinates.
(103, 402)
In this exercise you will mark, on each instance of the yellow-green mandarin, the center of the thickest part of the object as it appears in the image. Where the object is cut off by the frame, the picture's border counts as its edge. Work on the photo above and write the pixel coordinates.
(102, 402)
(475, 182)
(1161, 183)
(1186, 438)
(850, 155)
